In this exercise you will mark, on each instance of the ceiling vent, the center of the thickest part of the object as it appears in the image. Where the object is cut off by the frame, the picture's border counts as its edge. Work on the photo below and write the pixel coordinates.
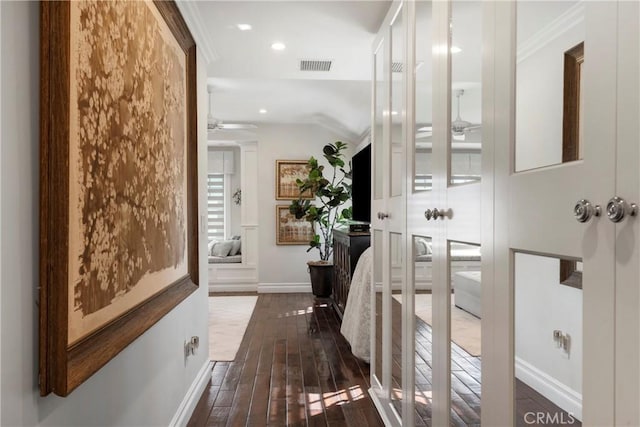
(315, 65)
(396, 67)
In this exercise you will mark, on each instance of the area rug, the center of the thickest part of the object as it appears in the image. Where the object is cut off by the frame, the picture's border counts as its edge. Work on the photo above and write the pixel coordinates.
(465, 327)
(228, 320)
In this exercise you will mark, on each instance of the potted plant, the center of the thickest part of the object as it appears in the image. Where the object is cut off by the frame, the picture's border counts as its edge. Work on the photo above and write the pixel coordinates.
(325, 212)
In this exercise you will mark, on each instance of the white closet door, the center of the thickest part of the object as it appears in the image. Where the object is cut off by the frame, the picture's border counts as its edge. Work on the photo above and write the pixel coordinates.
(565, 345)
(388, 222)
(447, 214)
(627, 337)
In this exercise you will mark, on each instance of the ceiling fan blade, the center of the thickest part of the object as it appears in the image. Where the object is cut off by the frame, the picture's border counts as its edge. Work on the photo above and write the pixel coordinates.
(420, 135)
(473, 127)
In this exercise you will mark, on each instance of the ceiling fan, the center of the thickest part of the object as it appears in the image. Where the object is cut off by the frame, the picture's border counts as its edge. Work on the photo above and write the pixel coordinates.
(459, 127)
(214, 124)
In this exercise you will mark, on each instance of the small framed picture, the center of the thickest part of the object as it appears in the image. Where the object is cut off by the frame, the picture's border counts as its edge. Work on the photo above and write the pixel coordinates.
(290, 230)
(287, 171)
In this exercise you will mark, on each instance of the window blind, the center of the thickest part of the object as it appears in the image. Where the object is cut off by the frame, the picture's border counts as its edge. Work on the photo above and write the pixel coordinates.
(215, 206)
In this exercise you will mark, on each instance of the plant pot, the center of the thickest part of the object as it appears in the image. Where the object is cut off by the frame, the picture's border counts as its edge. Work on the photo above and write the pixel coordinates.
(321, 274)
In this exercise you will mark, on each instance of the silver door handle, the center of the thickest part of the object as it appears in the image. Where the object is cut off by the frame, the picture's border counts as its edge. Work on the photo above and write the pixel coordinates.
(617, 208)
(583, 211)
(382, 215)
(434, 213)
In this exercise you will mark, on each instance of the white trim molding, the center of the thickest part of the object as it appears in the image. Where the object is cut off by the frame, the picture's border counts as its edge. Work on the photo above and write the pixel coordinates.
(188, 404)
(566, 398)
(283, 288)
(563, 23)
(193, 19)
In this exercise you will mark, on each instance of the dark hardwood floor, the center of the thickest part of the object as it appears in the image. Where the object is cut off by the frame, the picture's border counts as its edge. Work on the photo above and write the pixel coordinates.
(293, 368)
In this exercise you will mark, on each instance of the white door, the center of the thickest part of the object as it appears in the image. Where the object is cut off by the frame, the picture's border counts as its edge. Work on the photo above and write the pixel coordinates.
(565, 134)
(388, 221)
(445, 215)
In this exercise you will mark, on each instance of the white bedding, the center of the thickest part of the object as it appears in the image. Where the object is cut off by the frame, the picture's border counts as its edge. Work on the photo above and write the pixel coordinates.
(357, 313)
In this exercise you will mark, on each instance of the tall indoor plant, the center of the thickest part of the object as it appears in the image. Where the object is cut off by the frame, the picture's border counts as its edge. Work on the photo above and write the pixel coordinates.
(325, 212)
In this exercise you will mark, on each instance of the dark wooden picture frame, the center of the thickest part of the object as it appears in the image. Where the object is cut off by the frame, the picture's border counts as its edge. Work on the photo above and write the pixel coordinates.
(286, 172)
(293, 235)
(65, 364)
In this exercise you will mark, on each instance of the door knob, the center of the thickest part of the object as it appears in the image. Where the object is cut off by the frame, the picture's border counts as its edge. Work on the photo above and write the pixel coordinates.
(617, 208)
(435, 213)
(583, 210)
(382, 215)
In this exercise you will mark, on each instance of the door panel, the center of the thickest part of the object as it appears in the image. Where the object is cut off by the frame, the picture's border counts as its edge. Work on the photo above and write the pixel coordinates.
(628, 231)
(466, 333)
(543, 145)
(388, 221)
(548, 341)
(536, 219)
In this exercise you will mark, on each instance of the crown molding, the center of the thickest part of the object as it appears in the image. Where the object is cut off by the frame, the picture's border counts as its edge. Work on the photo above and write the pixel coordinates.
(563, 23)
(193, 19)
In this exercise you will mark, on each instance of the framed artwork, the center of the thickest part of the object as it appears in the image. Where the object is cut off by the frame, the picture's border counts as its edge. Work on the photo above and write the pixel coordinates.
(290, 230)
(119, 213)
(287, 171)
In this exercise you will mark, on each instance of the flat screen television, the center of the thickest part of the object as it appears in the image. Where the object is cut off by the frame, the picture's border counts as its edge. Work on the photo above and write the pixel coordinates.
(361, 190)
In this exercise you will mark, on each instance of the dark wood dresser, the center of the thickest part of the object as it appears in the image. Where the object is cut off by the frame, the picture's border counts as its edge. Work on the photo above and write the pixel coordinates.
(347, 248)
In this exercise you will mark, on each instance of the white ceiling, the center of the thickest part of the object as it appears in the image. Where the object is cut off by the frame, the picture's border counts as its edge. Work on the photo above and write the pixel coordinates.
(248, 75)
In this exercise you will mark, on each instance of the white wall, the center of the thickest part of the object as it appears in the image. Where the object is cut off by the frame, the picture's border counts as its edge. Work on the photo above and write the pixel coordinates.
(543, 305)
(539, 97)
(143, 385)
(284, 267)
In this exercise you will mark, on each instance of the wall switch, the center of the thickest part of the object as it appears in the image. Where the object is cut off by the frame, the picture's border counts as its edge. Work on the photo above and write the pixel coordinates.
(190, 346)
(195, 343)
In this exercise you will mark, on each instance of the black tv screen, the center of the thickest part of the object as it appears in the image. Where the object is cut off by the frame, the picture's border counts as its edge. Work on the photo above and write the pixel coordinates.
(361, 191)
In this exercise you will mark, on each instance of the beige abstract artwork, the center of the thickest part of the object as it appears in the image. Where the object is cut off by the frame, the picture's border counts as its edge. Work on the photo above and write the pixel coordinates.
(128, 183)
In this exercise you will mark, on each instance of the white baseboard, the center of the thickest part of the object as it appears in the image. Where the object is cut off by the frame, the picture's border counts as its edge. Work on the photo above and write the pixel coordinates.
(283, 288)
(233, 287)
(564, 397)
(188, 404)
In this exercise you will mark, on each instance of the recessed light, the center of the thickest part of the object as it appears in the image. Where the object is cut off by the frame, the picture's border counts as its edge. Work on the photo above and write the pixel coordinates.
(278, 46)
(244, 27)
(455, 49)
(262, 111)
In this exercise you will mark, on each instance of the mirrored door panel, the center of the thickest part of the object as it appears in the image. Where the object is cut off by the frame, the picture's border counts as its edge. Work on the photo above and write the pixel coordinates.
(380, 99)
(548, 340)
(397, 158)
(549, 89)
(376, 360)
(466, 91)
(423, 311)
(423, 98)
(466, 333)
(397, 287)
